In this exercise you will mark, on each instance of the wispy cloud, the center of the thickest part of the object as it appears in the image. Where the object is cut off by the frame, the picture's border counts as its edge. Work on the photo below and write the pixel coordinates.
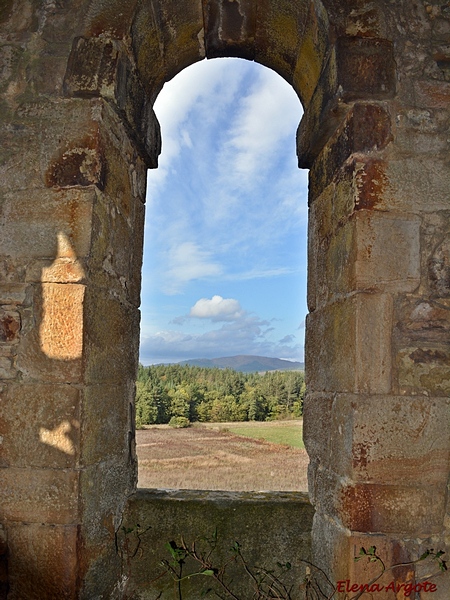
(226, 207)
(185, 262)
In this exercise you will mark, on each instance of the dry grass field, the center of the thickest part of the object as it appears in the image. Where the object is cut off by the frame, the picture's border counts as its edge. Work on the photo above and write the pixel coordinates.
(209, 457)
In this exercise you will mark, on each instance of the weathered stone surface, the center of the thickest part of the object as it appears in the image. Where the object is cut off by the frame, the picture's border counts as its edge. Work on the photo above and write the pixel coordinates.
(230, 28)
(107, 423)
(367, 128)
(9, 326)
(357, 69)
(46, 224)
(167, 37)
(52, 338)
(311, 54)
(373, 77)
(387, 252)
(366, 68)
(252, 519)
(35, 436)
(110, 346)
(39, 495)
(46, 566)
(362, 325)
(100, 68)
(389, 440)
(439, 269)
(415, 510)
(317, 426)
(424, 369)
(424, 320)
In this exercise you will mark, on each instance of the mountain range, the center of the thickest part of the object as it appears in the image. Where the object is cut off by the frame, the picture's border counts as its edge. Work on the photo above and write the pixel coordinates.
(246, 363)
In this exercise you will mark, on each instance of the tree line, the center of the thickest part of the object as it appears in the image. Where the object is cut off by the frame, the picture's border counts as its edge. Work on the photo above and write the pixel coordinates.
(165, 392)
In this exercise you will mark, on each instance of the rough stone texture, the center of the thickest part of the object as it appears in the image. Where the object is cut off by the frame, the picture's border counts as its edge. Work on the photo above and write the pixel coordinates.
(251, 519)
(77, 84)
(46, 561)
(361, 324)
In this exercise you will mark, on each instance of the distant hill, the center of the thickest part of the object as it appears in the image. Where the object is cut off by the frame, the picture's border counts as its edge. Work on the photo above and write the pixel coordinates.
(246, 363)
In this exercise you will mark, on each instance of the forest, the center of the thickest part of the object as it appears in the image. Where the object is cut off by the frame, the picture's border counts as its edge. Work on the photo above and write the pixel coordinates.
(181, 394)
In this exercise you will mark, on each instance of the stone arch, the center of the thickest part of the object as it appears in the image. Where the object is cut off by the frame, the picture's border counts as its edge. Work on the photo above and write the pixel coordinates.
(78, 86)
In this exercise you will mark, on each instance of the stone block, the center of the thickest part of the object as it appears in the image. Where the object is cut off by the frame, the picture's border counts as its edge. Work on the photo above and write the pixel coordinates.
(417, 184)
(335, 549)
(439, 268)
(39, 495)
(279, 29)
(316, 426)
(366, 68)
(112, 19)
(104, 489)
(323, 115)
(397, 509)
(9, 326)
(230, 28)
(311, 54)
(107, 429)
(80, 165)
(423, 369)
(358, 68)
(400, 510)
(117, 246)
(348, 345)
(47, 224)
(387, 251)
(320, 228)
(422, 129)
(432, 94)
(252, 519)
(367, 128)
(330, 548)
(390, 440)
(13, 294)
(392, 552)
(43, 562)
(40, 426)
(166, 38)
(52, 338)
(18, 19)
(422, 320)
(100, 67)
(112, 344)
(7, 368)
(92, 67)
(19, 156)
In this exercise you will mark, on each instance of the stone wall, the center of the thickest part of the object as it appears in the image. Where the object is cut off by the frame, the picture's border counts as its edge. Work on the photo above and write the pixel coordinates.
(269, 527)
(77, 82)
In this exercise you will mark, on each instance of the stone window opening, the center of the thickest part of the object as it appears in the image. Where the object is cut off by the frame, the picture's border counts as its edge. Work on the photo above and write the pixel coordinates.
(253, 137)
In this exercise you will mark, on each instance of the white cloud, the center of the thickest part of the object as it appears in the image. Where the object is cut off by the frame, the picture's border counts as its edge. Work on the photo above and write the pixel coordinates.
(217, 309)
(187, 261)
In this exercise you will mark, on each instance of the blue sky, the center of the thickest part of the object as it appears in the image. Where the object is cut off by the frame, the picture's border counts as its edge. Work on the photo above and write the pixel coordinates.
(225, 236)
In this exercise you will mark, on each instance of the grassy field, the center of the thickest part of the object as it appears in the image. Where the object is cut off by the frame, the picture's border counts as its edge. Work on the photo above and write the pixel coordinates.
(219, 457)
(277, 432)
